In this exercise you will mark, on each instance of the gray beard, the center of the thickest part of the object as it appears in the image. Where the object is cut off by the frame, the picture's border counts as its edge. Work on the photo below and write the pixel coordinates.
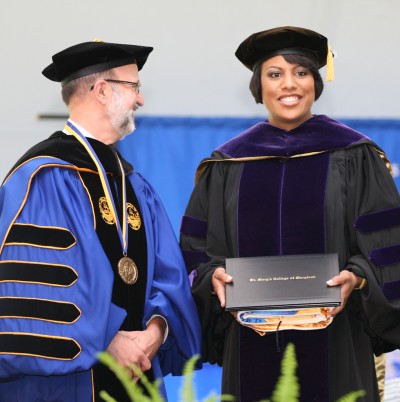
(122, 121)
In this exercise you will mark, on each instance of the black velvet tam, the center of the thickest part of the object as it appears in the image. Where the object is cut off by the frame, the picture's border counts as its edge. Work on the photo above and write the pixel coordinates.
(263, 45)
(92, 57)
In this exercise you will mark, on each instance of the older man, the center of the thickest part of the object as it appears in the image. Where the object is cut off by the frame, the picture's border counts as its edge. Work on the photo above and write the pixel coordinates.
(88, 260)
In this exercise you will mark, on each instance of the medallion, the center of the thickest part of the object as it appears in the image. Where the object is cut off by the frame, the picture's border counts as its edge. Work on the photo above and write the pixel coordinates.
(127, 270)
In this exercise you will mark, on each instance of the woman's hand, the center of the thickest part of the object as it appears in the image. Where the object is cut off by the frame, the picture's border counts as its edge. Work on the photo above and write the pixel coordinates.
(219, 280)
(347, 281)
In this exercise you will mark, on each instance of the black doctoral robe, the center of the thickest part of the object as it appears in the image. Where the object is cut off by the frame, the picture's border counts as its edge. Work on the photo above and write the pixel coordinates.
(320, 188)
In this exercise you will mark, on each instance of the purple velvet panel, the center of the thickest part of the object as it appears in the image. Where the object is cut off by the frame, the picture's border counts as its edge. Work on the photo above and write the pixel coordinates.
(282, 207)
(258, 352)
(320, 133)
(392, 290)
(282, 212)
(258, 220)
(193, 227)
(385, 255)
(303, 205)
(379, 220)
(194, 257)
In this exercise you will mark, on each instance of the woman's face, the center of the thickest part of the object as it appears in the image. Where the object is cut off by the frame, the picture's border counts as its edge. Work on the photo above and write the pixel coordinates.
(287, 92)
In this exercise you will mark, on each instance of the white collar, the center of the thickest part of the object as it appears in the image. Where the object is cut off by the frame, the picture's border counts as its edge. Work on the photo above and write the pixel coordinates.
(84, 132)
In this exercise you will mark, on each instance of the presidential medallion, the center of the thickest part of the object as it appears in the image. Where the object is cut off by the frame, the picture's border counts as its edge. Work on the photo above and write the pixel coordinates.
(127, 270)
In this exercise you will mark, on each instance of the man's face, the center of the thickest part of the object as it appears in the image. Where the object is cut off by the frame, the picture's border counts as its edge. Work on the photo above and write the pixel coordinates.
(125, 101)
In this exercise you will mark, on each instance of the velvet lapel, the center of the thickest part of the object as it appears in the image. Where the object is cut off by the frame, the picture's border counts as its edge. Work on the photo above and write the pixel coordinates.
(318, 134)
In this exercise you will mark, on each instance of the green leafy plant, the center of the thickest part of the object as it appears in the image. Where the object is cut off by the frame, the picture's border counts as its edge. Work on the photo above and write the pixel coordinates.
(287, 388)
(352, 396)
(137, 393)
(134, 392)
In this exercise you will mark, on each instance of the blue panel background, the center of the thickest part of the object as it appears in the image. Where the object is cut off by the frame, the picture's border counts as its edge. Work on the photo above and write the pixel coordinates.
(167, 150)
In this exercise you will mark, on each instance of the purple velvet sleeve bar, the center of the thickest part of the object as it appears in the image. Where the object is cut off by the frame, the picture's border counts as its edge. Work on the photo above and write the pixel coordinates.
(194, 257)
(193, 227)
(392, 290)
(379, 220)
(385, 255)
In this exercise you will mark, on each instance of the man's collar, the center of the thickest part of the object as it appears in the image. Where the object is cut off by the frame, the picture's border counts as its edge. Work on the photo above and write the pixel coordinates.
(81, 129)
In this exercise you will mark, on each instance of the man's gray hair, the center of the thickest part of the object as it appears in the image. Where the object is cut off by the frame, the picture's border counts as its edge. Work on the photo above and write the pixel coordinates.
(81, 86)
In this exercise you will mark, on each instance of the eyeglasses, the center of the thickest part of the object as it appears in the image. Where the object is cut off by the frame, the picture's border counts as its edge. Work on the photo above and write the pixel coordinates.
(134, 85)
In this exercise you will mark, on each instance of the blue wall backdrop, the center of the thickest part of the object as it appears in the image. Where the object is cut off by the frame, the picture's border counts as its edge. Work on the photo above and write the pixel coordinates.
(167, 150)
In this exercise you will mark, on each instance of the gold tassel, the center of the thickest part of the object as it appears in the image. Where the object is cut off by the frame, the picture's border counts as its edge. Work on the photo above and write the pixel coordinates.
(330, 71)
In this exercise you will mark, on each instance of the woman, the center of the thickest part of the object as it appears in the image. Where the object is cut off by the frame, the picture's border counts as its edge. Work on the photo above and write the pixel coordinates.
(296, 184)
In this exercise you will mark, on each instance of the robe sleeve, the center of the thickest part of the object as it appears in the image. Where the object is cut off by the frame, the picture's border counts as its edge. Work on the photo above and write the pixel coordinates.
(373, 209)
(205, 238)
(55, 279)
(168, 289)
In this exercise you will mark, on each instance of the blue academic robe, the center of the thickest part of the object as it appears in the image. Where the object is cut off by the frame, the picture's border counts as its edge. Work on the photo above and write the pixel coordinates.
(57, 312)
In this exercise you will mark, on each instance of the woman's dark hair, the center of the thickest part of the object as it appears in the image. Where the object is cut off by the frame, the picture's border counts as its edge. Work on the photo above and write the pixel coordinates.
(255, 82)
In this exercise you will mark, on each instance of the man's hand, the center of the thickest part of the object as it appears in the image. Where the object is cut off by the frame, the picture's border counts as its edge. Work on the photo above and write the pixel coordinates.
(151, 338)
(219, 281)
(138, 347)
(127, 352)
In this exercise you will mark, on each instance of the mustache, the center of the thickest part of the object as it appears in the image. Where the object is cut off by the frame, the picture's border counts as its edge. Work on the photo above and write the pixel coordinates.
(136, 106)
